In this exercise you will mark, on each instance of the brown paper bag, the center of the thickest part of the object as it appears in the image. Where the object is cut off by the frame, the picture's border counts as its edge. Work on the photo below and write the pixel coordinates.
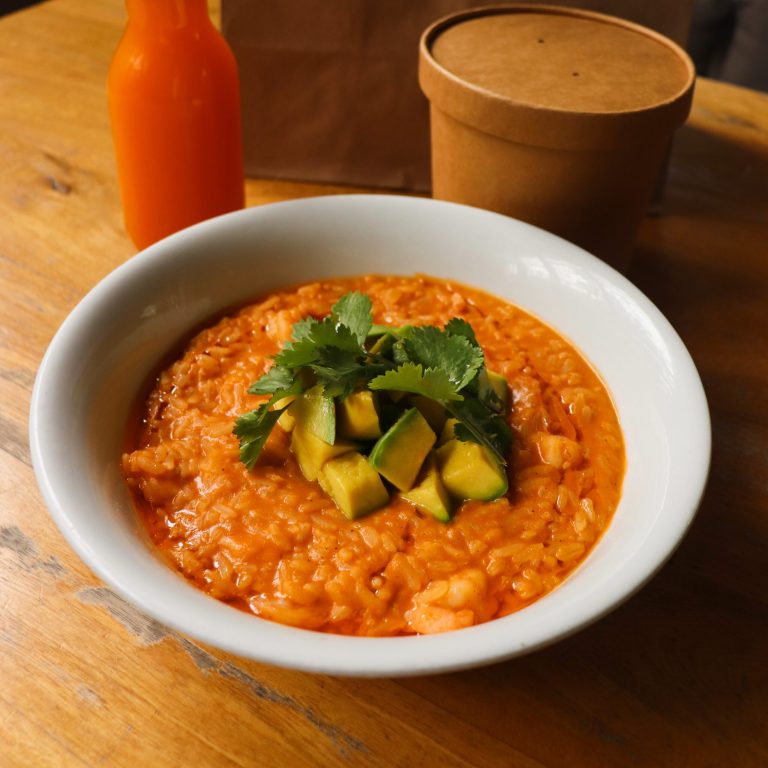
(330, 91)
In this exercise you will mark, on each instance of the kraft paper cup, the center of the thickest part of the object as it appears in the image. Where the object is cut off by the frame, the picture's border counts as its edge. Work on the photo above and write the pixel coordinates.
(559, 117)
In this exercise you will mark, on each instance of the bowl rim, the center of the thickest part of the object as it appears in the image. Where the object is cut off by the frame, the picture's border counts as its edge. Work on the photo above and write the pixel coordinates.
(344, 655)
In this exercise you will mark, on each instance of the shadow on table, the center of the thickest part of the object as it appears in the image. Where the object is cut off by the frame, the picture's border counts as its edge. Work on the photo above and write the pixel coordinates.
(8, 6)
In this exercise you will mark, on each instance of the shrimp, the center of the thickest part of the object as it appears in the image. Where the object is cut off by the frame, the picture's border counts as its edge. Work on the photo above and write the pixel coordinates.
(431, 619)
(449, 604)
(558, 451)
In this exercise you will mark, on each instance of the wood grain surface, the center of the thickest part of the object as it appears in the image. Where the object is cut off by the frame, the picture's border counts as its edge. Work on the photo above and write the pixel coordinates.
(678, 676)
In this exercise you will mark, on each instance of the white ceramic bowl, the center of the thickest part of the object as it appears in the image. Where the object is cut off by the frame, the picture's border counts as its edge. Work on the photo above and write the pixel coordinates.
(114, 338)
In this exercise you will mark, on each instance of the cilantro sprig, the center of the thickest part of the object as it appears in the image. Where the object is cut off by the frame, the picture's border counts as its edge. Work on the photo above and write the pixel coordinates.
(345, 352)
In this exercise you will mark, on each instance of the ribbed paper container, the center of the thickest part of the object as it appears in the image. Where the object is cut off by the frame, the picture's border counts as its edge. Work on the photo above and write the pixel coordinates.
(555, 116)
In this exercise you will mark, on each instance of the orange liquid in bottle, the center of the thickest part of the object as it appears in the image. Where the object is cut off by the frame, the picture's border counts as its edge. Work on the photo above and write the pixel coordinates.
(174, 104)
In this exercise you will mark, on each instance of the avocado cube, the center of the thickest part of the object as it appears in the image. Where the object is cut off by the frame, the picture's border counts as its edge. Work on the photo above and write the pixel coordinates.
(448, 433)
(286, 419)
(315, 412)
(312, 452)
(353, 484)
(431, 410)
(501, 387)
(429, 493)
(470, 471)
(496, 383)
(401, 450)
(358, 417)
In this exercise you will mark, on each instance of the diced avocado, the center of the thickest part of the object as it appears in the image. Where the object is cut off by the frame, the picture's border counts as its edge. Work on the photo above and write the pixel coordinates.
(315, 412)
(429, 493)
(501, 386)
(489, 380)
(469, 471)
(401, 450)
(353, 484)
(357, 416)
(431, 410)
(448, 433)
(286, 419)
(312, 452)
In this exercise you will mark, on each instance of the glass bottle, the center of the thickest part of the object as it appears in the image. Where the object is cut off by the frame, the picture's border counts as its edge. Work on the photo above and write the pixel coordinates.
(174, 104)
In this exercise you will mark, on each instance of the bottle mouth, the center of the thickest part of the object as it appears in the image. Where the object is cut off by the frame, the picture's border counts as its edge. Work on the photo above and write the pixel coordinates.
(167, 15)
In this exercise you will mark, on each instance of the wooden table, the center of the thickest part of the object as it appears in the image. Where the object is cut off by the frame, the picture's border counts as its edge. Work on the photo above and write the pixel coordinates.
(676, 677)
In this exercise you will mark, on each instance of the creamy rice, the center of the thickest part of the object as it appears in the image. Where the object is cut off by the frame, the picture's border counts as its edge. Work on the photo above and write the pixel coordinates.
(270, 542)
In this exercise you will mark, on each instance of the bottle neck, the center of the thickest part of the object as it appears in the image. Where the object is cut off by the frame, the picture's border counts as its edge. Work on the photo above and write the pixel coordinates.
(168, 14)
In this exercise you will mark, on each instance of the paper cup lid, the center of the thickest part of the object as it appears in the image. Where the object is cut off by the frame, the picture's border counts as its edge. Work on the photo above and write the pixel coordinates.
(557, 77)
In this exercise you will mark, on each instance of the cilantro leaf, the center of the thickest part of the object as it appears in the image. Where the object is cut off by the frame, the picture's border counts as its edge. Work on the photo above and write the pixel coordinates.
(457, 326)
(302, 328)
(399, 354)
(339, 371)
(275, 379)
(353, 310)
(296, 354)
(327, 333)
(305, 351)
(454, 355)
(253, 429)
(412, 377)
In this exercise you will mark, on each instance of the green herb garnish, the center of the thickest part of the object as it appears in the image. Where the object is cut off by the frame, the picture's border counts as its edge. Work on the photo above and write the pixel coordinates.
(345, 353)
